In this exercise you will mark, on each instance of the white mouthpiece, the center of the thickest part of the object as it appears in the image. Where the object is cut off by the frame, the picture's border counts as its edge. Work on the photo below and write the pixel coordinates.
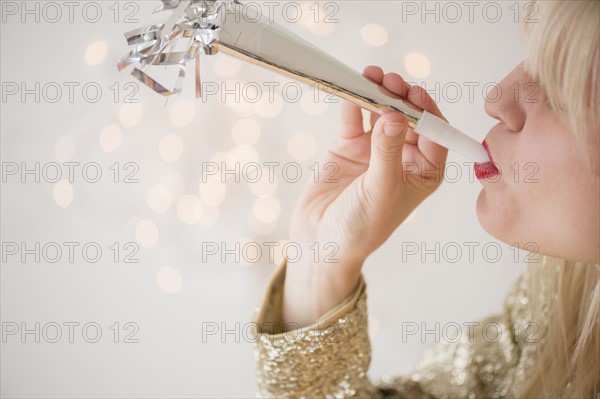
(440, 132)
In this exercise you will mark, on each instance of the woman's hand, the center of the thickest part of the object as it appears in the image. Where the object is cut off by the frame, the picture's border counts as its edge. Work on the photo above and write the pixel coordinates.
(382, 175)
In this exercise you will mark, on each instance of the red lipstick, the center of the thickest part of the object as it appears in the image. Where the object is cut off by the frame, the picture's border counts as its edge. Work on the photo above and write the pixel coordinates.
(486, 170)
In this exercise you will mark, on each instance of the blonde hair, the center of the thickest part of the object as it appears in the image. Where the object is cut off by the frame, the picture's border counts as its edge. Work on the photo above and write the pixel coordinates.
(561, 40)
(567, 295)
(563, 56)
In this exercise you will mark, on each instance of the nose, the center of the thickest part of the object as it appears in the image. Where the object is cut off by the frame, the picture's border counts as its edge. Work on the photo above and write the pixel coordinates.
(504, 102)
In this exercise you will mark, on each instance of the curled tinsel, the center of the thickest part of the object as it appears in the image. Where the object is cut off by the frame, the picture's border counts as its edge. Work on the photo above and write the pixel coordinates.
(193, 22)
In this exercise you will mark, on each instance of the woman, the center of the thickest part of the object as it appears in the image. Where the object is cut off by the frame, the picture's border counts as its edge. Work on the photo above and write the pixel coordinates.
(312, 336)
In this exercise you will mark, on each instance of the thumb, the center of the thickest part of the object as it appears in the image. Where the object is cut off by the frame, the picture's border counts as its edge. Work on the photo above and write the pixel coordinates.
(387, 141)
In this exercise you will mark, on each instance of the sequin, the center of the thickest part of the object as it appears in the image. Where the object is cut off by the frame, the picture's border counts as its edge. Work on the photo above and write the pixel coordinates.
(333, 363)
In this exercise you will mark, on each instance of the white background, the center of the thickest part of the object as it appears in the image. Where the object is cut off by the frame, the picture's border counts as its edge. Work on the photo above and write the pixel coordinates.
(171, 359)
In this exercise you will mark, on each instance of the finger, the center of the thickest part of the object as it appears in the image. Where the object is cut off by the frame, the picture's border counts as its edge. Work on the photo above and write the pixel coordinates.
(412, 137)
(396, 84)
(387, 141)
(352, 120)
(432, 151)
(374, 117)
(393, 85)
(374, 74)
(352, 117)
(419, 97)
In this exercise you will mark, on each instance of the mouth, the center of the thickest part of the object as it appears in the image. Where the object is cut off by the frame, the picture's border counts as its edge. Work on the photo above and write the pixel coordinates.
(486, 170)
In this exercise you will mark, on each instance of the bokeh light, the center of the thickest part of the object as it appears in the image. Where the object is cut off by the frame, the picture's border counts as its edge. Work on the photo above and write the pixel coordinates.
(417, 65)
(313, 101)
(146, 233)
(175, 183)
(189, 209)
(159, 198)
(212, 191)
(259, 182)
(278, 252)
(131, 114)
(322, 27)
(246, 132)
(261, 227)
(267, 108)
(251, 252)
(226, 65)
(302, 146)
(169, 279)
(182, 113)
(63, 193)
(170, 147)
(96, 52)
(235, 95)
(374, 325)
(64, 148)
(210, 215)
(266, 209)
(374, 35)
(110, 137)
(243, 154)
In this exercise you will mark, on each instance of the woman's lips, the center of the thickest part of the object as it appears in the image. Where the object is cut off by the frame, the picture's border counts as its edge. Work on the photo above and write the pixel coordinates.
(486, 170)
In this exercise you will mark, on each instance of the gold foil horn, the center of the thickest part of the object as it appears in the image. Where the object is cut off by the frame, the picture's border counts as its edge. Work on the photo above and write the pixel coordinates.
(230, 27)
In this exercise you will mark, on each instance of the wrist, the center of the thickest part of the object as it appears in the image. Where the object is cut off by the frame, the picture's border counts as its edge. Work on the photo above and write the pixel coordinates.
(312, 289)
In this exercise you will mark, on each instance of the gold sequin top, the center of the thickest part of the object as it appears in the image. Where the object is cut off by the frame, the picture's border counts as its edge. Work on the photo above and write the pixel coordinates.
(330, 358)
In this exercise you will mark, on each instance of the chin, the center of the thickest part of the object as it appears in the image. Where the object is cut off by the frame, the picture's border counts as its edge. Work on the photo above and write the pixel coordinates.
(484, 210)
(493, 217)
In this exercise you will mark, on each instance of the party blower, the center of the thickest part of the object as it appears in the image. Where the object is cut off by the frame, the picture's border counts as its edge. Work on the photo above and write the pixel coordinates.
(230, 27)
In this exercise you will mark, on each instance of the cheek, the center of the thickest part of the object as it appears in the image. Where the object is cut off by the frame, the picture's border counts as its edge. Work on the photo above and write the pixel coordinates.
(538, 197)
(509, 208)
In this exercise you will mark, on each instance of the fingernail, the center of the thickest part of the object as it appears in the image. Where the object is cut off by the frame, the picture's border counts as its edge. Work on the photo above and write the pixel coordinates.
(393, 128)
